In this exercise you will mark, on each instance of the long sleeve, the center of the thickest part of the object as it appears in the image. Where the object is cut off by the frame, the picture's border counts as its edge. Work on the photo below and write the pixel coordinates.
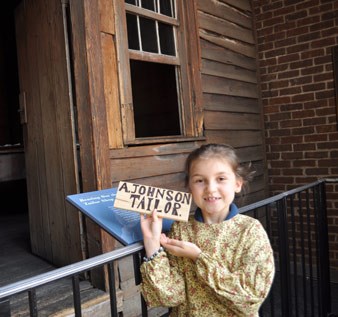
(162, 285)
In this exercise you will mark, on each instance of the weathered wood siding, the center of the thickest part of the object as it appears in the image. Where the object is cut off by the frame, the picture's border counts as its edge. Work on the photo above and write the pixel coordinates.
(232, 110)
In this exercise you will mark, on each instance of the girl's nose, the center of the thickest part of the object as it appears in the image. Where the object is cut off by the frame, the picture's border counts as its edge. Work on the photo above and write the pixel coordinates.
(211, 187)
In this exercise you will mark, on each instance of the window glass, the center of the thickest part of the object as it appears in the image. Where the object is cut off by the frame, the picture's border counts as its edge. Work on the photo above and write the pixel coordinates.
(133, 42)
(167, 42)
(148, 4)
(167, 8)
(148, 35)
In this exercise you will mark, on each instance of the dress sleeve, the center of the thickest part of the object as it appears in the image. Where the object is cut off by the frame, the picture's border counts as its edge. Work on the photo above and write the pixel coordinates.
(162, 284)
(244, 287)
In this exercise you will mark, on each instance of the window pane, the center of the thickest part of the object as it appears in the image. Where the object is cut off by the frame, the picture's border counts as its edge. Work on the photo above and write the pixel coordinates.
(133, 42)
(166, 39)
(155, 101)
(148, 35)
(166, 8)
(148, 4)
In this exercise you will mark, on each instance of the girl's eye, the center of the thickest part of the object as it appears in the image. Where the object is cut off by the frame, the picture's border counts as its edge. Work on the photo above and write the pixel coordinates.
(222, 179)
(198, 180)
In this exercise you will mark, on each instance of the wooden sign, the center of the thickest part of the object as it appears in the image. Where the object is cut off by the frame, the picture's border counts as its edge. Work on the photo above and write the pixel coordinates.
(168, 203)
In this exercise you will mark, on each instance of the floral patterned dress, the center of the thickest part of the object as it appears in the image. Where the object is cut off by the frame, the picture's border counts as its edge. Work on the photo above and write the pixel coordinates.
(231, 277)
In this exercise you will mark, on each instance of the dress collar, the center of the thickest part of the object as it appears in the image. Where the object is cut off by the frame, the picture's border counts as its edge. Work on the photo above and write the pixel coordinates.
(232, 213)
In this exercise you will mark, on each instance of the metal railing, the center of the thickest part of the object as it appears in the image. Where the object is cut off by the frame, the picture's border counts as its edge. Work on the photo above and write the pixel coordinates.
(296, 222)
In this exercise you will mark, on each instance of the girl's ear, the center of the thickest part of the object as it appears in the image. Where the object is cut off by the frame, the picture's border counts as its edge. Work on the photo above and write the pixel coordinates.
(238, 185)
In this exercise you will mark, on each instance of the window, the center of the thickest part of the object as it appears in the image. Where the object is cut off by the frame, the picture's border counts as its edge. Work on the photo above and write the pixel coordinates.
(155, 41)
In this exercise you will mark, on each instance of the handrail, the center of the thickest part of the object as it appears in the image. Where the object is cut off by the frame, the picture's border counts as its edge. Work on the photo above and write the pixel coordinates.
(69, 270)
(283, 203)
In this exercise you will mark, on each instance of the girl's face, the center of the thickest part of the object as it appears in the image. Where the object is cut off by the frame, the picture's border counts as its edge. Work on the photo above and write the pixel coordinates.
(213, 185)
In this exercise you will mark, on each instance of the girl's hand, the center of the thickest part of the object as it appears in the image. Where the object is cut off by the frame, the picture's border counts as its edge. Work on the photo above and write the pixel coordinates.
(151, 226)
(180, 248)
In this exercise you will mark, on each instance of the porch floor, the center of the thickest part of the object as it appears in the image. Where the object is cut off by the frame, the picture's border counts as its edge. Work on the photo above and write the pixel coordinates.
(17, 262)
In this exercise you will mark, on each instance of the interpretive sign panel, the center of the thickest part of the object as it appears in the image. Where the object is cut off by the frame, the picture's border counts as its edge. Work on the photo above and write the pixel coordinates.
(123, 225)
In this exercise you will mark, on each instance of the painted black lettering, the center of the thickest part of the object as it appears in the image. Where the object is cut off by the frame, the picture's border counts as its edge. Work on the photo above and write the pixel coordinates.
(133, 198)
(142, 190)
(175, 208)
(135, 188)
(178, 197)
(157, 202)
(124, 187)
(160, 193)
(149, 204)
(141, 205)
(151, 191)
(169, 195)
(186, 199)
(167, 207)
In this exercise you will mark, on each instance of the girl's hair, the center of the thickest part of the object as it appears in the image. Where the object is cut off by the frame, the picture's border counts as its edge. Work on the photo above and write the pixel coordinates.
(222, 151)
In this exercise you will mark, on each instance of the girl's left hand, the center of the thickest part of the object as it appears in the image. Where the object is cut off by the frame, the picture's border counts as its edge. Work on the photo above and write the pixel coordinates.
(180, 248)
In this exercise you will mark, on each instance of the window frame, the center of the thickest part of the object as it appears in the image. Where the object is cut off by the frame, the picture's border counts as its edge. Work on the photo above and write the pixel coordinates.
(188, 59)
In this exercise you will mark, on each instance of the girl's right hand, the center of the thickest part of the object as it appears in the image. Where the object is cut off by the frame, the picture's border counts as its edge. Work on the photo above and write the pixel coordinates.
(151, 226)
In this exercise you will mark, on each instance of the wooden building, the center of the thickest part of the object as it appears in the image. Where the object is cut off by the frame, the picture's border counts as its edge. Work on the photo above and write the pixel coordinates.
(111, 90)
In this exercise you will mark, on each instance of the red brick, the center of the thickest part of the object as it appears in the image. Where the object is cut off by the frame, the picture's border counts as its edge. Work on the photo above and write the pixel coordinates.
(326, 129)
(313, 87)
(302, 131)
(327, 163)
(314, 121)
(316, 155)
(288, 74)
(313, 53)
(317, 171)
(303, 147)
(325, 94)
(292, 155)
(292, 140)
(304, 163)
(315, 138)
(280, 164)
(303, 97)
(303, 114)
(290, 123)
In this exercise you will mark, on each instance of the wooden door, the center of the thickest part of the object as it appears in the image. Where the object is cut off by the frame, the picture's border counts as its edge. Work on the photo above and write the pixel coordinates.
(48, 127)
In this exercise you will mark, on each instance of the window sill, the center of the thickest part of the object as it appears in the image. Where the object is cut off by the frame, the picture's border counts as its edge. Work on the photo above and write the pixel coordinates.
(161, 140)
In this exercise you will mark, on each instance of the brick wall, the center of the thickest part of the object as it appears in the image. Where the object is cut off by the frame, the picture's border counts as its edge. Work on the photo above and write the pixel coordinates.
(295, 39)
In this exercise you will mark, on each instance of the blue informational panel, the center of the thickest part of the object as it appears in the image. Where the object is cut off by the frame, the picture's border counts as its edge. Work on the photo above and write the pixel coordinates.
(123, 225)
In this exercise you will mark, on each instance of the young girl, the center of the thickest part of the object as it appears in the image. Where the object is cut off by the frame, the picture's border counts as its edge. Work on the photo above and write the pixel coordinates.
(220, 262)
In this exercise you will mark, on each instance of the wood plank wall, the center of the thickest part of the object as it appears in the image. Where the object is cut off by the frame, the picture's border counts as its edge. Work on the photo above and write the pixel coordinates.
(232, 110)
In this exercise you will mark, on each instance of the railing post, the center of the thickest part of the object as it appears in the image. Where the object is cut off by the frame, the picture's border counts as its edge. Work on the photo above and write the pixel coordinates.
(324, 290)
(112, 290)
(5, 307)
(284, 261)
(76, 296)
(138, 280)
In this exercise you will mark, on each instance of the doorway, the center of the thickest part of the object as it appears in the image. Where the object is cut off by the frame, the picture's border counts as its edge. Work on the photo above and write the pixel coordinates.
(13, 190)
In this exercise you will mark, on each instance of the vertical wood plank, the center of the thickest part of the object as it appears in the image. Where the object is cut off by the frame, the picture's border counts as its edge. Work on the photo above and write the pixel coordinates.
(107, 23)
(111, 91)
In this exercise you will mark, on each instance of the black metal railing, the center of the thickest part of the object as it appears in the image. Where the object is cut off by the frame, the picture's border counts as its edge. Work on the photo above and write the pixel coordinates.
(296, 222)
